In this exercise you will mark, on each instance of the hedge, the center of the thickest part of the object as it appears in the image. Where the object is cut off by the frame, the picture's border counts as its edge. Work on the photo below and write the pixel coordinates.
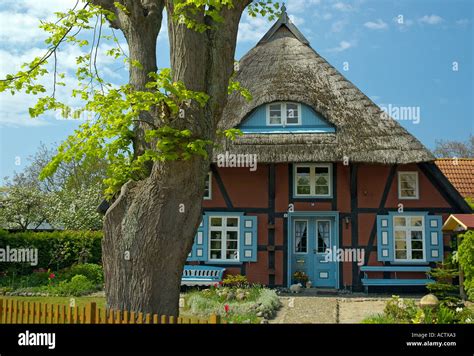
(56, 250)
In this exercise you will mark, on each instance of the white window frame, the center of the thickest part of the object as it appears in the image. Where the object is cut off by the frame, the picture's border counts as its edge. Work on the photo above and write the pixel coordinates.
(408, 230)
(294, 236)
(312, 180)
(223, 229)
(209, 196)
(284, 121)
(317, 237)
(417, 188)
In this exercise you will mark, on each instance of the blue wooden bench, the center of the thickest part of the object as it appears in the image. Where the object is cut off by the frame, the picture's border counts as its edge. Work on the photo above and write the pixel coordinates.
(197, 275)
(366, 281)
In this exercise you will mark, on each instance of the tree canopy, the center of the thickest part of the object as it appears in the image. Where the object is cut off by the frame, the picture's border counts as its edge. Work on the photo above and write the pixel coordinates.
(118, 111)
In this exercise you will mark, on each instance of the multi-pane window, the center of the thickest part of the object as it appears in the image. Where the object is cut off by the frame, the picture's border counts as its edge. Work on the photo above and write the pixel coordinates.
(208, 188)
(313, 180)
(324, 235)
(408, 185)
(301, 236)
(224, 238)
(283, 114)
(408, 236)
(274, 111)
(292, 113)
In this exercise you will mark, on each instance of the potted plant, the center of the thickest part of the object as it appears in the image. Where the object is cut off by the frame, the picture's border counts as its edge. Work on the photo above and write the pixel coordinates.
(300, 277)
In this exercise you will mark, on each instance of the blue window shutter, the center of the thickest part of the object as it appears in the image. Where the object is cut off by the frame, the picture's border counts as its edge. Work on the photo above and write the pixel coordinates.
(199, 250)
(384, 238)
(434, 238)
(248, 239)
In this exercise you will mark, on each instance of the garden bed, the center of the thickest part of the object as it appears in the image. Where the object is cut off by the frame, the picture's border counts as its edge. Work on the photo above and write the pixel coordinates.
(406, 311)
(235, 300)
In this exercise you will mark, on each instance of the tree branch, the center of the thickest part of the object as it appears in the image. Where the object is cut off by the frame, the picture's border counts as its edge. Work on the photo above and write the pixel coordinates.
(48, 54)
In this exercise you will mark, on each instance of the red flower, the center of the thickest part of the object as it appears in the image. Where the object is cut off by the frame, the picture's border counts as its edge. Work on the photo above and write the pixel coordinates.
(52, 275)
(216, 285)
(226, 308)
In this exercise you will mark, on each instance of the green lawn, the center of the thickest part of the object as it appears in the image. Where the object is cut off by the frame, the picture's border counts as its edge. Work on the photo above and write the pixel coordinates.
(80, 301)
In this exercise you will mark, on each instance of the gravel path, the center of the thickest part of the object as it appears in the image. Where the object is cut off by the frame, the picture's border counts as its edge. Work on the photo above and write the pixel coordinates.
(320, 310)
(354, 310)
(306, 310)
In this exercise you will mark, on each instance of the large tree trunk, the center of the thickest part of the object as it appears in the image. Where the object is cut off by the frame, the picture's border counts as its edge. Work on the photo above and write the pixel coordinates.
(150, 228)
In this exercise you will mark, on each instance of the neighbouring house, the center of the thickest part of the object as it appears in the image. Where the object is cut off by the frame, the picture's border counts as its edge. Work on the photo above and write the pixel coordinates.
(458, 223)
(460, 172)
(322, 181)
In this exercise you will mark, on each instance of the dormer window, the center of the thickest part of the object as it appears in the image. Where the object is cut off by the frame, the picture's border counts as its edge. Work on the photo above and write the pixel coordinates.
(283, 114)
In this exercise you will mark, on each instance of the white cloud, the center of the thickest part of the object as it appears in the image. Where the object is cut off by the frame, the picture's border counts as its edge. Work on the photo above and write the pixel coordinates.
(402, 23)
(327, 16)
(431, 19)
(343, 45)
(341, 6)
(463, 22)
(20, 19)
(338, 26)
(300, 6)
(20, 28)
(376, 25)
(39, 9)
(298, 21)
(252, 29)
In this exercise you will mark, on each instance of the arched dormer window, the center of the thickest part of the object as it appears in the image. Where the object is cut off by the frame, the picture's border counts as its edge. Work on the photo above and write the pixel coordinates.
(282, 117)
(283, 114)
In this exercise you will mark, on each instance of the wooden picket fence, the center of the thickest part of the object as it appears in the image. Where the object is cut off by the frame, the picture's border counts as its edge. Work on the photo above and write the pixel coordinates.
(21, 312)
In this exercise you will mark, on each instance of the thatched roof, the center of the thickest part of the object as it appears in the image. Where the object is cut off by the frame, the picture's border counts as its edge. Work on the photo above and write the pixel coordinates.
(283, 67)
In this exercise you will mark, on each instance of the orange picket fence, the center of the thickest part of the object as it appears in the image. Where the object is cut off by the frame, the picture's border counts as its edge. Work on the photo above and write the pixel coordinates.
(21, 312)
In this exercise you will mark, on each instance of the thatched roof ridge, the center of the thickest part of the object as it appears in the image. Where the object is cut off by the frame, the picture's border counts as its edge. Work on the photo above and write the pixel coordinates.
(283, 67)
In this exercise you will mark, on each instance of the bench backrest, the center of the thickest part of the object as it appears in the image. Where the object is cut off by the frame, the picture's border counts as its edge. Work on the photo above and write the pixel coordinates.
(203, 272)
(395, 269)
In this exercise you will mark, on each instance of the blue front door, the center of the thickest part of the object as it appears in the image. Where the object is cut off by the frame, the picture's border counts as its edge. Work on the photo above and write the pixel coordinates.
(324, 272)
(313, 238)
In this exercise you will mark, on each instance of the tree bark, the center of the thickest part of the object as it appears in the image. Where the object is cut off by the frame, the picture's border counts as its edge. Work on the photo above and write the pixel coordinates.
(149, 229)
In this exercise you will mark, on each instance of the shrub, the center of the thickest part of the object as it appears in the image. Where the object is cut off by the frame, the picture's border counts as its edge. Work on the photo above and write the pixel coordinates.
(465, 256)
(56, 250)
(400, 309)
(444, 274)
(77, 286)
(236, 280)
(264, 303)
(379, 319)
(93, 272)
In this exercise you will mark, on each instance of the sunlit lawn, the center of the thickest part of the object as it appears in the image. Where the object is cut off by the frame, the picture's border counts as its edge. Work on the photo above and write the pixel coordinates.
(79, 301)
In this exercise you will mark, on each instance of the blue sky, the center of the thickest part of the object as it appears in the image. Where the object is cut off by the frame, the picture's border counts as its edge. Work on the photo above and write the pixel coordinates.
(399, 53)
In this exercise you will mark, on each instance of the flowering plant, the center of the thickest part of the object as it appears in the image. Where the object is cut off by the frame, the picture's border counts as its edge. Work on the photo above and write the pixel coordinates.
(300, 277)
(51, 277)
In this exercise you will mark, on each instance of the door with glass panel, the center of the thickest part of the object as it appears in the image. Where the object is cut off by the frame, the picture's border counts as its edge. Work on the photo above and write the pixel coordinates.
(324, 269)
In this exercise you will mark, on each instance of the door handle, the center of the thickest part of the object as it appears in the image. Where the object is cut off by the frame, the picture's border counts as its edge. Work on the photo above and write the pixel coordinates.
(314, 251)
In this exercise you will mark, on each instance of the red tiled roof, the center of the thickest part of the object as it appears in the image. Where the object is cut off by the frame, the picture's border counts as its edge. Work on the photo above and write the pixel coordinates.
(466, 219)
(460, 173)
